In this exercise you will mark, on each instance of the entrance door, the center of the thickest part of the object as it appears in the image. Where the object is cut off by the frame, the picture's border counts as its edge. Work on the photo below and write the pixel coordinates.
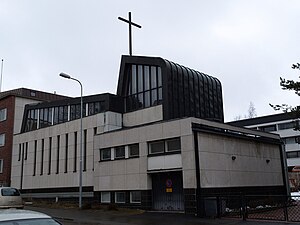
(168, 191)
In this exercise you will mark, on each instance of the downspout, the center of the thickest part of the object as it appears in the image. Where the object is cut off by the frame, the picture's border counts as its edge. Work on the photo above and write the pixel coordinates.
(197, 165)
(284, 169)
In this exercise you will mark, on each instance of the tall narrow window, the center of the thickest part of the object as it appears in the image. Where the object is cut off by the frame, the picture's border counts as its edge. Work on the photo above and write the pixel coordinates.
(75, 152)
(57, 154)
(26, 151)
(2, 140)
(3, 113)
(66, 153)
(84, 149)
(42, 156)
(20, 151)
(50, 150)
(34, 157)
(1, 165)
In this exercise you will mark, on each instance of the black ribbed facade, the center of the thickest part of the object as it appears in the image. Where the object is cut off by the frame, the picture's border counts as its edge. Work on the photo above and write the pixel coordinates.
(185, 92)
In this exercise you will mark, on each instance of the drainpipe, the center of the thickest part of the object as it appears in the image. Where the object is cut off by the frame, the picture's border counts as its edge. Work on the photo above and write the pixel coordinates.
(197, 165)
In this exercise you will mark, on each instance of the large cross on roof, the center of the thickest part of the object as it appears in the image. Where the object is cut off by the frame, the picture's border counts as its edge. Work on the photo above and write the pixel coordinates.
(130, 23)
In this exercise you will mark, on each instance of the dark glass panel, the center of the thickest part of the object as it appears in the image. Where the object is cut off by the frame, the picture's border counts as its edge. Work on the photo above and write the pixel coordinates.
(159, 77)
(133, 79)
(147, 78)
(41, 111)
(50, 116)
(154, 97)
(56, 116)
(147, 99)
(72, 112)
(91, 108)
(140, 78)
(160, 97)
(60, 114)
(153, 77)
(141, 101)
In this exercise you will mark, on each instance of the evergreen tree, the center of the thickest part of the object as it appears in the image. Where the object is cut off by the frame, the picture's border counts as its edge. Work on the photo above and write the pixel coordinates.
(290, 85)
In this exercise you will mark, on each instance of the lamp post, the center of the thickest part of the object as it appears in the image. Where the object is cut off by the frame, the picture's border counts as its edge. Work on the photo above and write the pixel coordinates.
(67, 76)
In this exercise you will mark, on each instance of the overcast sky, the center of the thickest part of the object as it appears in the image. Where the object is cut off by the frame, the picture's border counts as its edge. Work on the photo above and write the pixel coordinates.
(247, 45)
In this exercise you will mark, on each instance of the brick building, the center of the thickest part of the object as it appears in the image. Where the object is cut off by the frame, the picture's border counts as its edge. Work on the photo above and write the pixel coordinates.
(12, 105)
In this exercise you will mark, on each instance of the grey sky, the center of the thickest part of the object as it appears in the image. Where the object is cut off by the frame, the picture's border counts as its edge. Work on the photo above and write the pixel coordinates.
(248, 45)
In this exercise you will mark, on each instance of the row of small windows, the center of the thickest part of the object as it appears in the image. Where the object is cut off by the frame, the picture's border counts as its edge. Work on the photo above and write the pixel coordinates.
(40, 118)
(121, 197)
(3, 114)
(120, 152)
(293, 154)
(130, 151)
(39, 153)
(280, 126)
(291, 140)
(144, 87)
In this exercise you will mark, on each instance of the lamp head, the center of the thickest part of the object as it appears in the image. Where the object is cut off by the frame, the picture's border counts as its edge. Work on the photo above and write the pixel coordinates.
(64, 75)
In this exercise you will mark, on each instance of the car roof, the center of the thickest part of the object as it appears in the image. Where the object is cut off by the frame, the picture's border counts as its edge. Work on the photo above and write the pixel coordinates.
(18, 214)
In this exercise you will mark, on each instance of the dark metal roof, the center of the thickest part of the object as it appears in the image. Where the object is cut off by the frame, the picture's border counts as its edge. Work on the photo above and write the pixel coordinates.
(263, 119)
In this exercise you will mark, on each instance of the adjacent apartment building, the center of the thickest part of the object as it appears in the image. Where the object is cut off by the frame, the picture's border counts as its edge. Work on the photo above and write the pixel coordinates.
(282, 124)
(12, 104)
(159, 143)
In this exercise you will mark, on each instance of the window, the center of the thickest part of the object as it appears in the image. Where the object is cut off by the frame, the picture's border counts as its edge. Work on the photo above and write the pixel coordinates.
(289, 125)
(120, 197)
(268, 128)
(2, 140)
(133, 150)
(105, 154)
(144, 87)
(49, 156)
(42, 156)
(157, 147)
(165, 146)
(1, 165)
(57, 154)
(135, 197)
(120, 152)
(105, 197)
(66, 153)
(173, 145)
(75, 152)
(293, 154)
(84, 149)
(34, 157)
(3, 114)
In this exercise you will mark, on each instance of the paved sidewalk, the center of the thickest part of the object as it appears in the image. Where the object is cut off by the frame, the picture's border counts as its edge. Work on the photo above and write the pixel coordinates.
(100, 217)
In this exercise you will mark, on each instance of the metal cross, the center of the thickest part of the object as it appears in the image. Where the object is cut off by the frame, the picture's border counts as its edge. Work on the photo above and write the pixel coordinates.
(130, 35)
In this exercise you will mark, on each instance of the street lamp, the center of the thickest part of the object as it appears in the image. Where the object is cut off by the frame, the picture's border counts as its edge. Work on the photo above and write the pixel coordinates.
(67, 76)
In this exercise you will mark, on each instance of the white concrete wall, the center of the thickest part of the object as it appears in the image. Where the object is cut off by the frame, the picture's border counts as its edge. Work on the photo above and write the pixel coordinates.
(250, 168)
(143, 116)
(215, 151)
(103, 122)
(131, 174)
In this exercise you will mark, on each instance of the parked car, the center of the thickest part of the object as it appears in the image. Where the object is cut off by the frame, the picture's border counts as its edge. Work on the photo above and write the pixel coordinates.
(10, 198)
(25, 217)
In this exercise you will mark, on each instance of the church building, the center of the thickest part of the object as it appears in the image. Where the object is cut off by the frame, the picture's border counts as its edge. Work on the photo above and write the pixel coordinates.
(159, 143)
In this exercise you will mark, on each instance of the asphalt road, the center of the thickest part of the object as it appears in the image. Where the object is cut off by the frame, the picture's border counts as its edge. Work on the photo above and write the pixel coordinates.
(136, 217)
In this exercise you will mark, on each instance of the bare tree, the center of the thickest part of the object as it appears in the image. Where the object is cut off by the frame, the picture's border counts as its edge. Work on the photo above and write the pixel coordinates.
(252, 111)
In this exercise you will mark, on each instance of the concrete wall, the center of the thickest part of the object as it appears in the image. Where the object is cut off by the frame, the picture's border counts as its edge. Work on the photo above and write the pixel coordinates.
(143, 116)
(250, 167)
(131, 174)
(103, 122)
